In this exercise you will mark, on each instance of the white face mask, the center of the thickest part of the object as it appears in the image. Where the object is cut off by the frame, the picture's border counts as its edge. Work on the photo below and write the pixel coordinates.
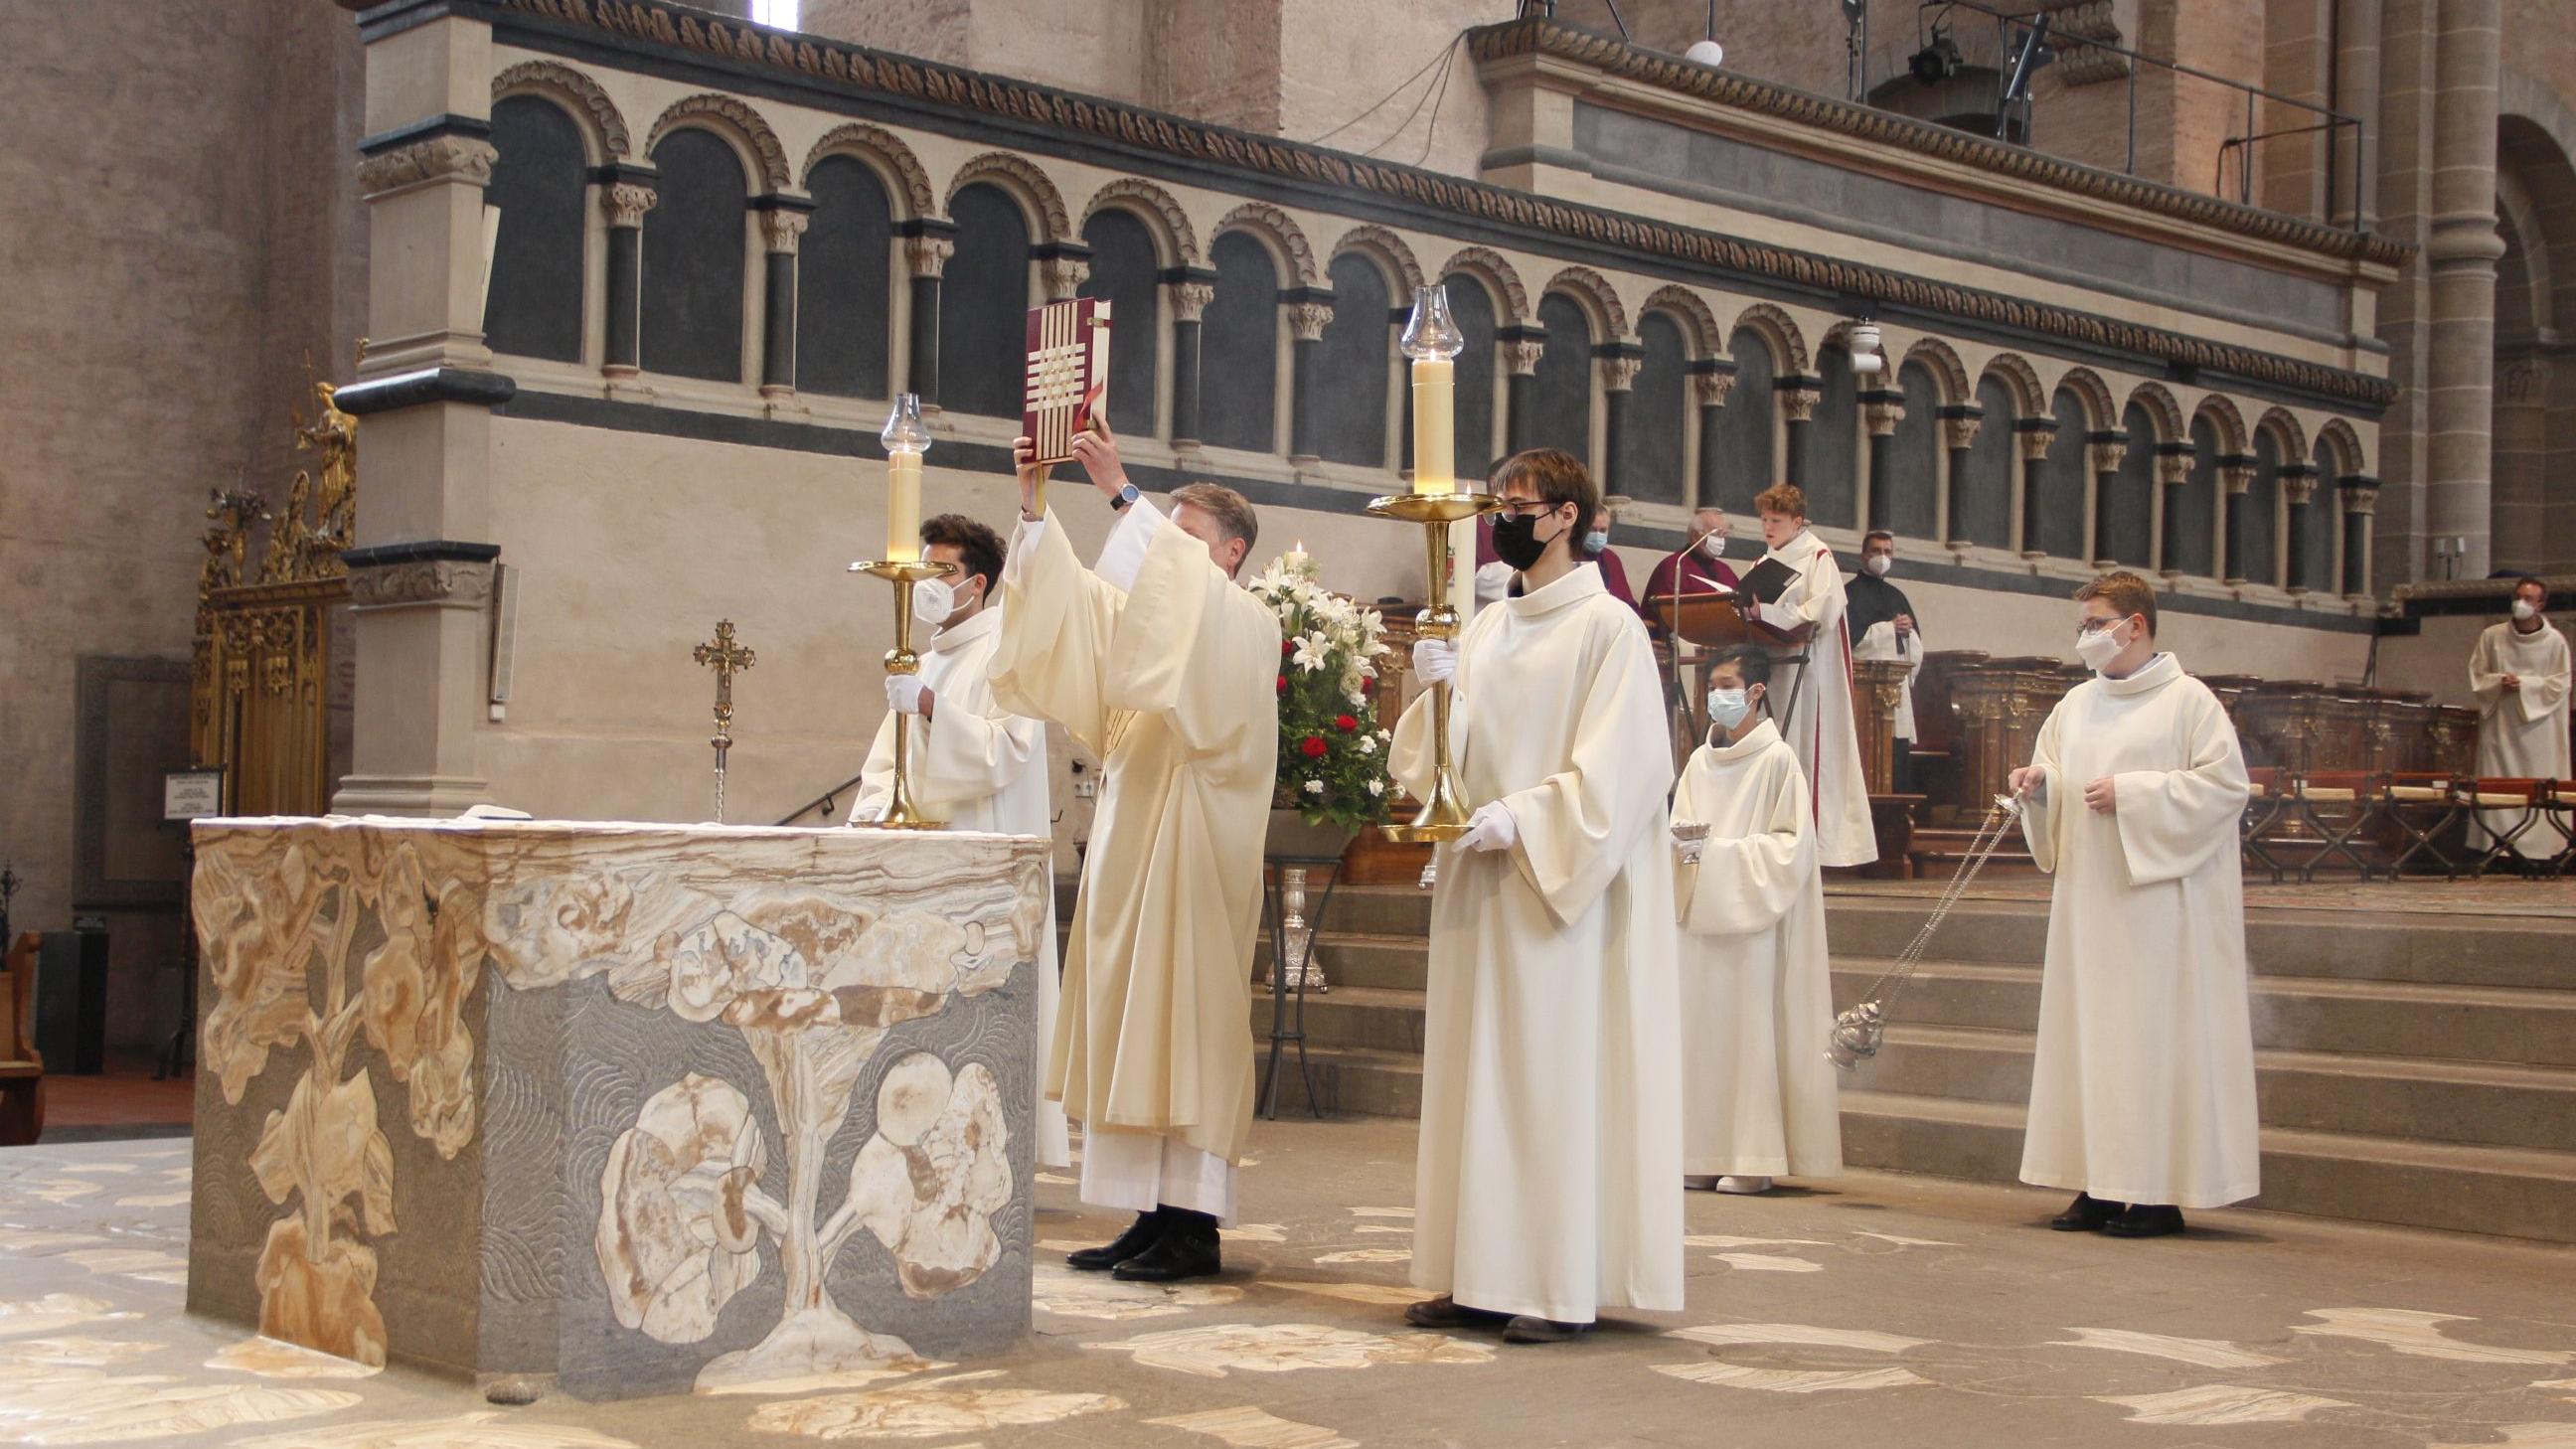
(2523, 610)
(1727, 708)
(933, 600)
(1878, 564)
(2098, 648)
(1714, 545)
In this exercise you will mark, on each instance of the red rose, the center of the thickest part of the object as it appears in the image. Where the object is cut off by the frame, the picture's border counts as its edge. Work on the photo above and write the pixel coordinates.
(1283, 684)
(1287, 647)
(1314, 747)
(1345, 723)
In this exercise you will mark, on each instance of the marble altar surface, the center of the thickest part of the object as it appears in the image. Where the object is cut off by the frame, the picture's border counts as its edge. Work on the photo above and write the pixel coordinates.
(631, 1108)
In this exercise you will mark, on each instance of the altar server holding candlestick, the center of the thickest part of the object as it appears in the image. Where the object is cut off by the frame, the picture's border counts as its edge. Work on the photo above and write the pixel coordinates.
(906, 439)
(1156, 663)
(975, 766)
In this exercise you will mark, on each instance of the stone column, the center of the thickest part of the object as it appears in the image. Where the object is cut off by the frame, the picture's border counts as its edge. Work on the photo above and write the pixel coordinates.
(625, 194)
(2461, 248)
(1522, 347)
(782, 226)
(1798, 399)
(2104, 453)
(1310, 311)
(2173, 474)
(1712, 378)
(2235, 475)
(1959, 424)
(1062, 269)
(1880, 411)
(927, 246)
(2356, 93)
(2360, 495)
(1188, 291)
(2298, 485)
(2033, 436)
(420, 568)
(1620, 362)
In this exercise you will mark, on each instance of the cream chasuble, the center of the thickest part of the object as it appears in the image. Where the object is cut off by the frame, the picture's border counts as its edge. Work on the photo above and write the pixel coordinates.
(978, 768)
(1758, 1096)
(1551, 1077)
(1168, 682)
(2142, 1090)
(2522, 733)
(1818, 702)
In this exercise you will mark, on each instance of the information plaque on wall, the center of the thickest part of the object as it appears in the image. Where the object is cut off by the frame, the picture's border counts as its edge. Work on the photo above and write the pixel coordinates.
(193, 794)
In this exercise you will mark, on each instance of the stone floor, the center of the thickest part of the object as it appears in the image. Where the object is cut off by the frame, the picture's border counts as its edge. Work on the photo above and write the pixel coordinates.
(1875, 1310)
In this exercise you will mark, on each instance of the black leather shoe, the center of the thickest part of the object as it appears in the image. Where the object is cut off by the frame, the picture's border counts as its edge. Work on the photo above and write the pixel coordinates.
(2144, 1220)
(2084, 1215)
(1141, 1234)
(1529, 1328)
(1447, 1312)
(1188, 1249)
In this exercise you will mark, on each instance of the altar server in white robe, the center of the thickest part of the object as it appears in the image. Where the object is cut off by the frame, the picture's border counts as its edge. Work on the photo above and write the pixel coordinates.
(1158, 665)
(2142, 1092)
(1551, 1092)
(1758, 1095)
(2519, 674)
(1816, 708)
(973, 766)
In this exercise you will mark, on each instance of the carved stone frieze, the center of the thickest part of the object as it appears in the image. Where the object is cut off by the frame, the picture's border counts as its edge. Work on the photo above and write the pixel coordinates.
(466, 158)
(1134, 193)
(884, 146)
(1283, 229)
(454, 583)
(564, 81)
(738, 116)
(1489, 264)
(1023, 176)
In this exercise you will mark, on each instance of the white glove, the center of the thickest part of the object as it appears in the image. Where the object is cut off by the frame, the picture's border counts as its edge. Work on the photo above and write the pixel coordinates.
(903, 693)
(1434, 660)
(1491, 828)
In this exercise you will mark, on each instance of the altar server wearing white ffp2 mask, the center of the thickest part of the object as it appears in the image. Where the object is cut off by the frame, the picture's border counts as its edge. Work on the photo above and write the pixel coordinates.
(2519, 674)
(1758, 1095)
(2142, 1090)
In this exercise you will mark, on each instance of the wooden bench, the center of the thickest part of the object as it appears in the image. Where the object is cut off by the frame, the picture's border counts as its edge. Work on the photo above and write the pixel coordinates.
(22, 1072)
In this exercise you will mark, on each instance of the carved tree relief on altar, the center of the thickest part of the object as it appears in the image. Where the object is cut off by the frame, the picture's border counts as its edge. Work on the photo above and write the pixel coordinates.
(355, 959)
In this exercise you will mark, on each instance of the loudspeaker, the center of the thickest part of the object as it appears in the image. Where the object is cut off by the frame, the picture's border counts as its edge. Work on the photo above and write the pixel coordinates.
(71, 1002)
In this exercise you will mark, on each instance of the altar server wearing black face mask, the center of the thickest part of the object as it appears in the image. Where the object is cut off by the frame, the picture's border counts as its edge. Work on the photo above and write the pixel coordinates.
(1883, 626)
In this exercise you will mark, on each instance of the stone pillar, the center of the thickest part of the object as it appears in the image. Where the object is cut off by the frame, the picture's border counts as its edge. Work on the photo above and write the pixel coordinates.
(2033, 436)
(1959, 424)
(625, 194)
(1062, 269)
(2104, 453)
(782, 226)
(2356, 93)
(1798, 399)
(1310, 311)
(927, 246)
(2235, 475)
(2173, 474)
(1880, 411)
(1712, 378)
(2461, 248)
(420, 570)
(1620, 362)
(1522, 347)
(2360, 495)
(2298, 485)
(1188, 291)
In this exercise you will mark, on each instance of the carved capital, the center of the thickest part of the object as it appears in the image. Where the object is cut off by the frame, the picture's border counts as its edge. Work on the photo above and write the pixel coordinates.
(2364, 501)
(1619, 374)
(928, 255)
(465, 158)
(1712, 387)
(2034, 442)
(1063, 276)
(1307, 320)
(2236, 478)
(1960, 433)
(2107, 457)
(2173, 469)
(446, 583)
(626, 202)
(2298, 487)
(1798, 404)
(1881, 418)
(1520, 356)
(781, 230)
(1190, 300)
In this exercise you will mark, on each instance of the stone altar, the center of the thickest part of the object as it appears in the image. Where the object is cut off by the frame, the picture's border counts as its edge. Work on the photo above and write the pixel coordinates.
(630, 1108)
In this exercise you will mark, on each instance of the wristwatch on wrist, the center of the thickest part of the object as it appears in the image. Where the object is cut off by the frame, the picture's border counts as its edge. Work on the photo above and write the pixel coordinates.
(1126, 494)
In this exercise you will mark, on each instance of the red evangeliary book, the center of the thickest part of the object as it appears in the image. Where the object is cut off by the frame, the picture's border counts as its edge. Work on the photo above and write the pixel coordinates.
(1068, 374)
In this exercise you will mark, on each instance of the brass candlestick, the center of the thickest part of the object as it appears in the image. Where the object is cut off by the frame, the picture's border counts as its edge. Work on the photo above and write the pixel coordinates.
(1443, 817)
(903, 574)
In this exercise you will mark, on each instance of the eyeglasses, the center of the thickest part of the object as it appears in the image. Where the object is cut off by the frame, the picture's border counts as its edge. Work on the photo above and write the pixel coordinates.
(2096, 626)
(1527, 508)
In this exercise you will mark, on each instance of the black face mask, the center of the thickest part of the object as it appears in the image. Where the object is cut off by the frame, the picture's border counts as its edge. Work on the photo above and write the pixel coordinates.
(1516, 541)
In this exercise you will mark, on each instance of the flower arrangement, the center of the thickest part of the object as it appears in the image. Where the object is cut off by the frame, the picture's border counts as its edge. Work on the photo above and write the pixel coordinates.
(1332, 754)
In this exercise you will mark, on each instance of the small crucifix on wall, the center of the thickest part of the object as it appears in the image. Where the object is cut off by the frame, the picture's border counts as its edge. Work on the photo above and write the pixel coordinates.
(727, 659)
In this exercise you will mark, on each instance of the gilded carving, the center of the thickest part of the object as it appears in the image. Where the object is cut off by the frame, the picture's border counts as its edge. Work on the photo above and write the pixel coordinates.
(1033, 185)
(1307, 320)
(1283, 230)
(738, 116)
(884, 146)
(437, 158)
(1190, 300)
(1134, 193)
(563, 80)
(321, 516)
(625, 202)
(227, 543)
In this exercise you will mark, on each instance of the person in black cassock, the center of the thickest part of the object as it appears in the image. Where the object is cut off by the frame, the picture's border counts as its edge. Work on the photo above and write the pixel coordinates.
(1883, 627)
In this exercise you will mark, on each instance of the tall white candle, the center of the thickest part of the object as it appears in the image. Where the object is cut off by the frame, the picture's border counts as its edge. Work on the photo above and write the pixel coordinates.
(903, 507)
(1435, 425)
(1462, 569)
